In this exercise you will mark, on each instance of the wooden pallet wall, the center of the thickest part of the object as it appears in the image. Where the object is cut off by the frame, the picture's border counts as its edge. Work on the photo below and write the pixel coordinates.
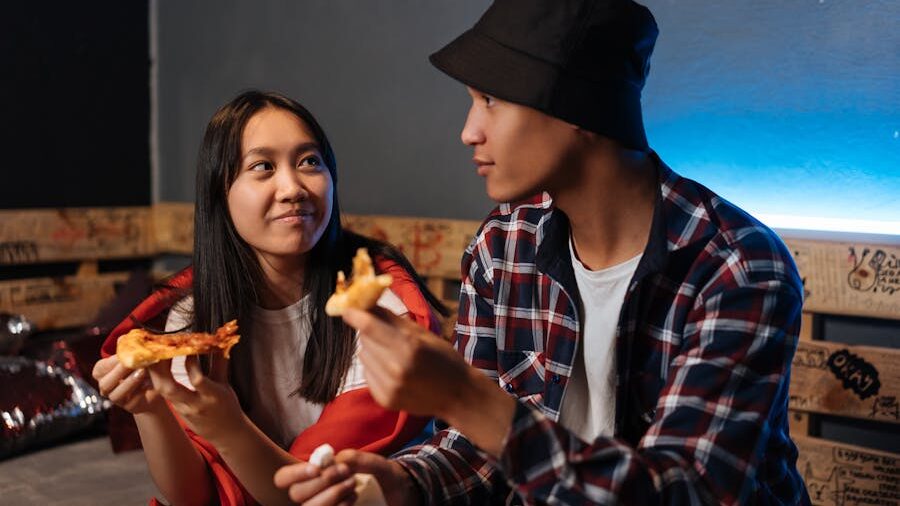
(831, 378)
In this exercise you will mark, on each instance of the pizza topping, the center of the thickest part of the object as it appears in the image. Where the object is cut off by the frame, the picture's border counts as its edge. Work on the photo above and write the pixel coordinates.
(140, 347)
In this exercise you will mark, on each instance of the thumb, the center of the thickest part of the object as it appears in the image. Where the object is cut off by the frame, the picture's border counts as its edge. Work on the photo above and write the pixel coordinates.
(397, 486)
(218, 367)
(195, 372)
(363, 462)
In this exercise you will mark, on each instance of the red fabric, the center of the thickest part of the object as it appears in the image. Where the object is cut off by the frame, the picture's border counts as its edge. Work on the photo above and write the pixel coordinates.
(352, 420)
(158, 301)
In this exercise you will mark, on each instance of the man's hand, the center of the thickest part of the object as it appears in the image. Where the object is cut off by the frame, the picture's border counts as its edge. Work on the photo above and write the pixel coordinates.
(311, 486)
(408, 368)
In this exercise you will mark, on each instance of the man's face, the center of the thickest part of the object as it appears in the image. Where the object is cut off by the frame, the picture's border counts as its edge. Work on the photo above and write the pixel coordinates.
(519, 151)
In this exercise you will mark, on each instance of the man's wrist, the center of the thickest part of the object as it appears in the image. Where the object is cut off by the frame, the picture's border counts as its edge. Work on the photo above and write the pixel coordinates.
(482, 412)
(413, 493)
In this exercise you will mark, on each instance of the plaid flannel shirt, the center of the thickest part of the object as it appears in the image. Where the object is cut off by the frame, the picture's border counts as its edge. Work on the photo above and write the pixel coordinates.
(704, 345)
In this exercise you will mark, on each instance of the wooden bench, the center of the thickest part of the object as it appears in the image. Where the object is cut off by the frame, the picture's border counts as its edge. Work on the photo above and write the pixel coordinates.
(828, 378)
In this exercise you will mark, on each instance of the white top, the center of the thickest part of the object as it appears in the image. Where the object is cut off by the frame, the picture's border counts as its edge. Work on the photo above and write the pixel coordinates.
(589, 405)
(274, 350)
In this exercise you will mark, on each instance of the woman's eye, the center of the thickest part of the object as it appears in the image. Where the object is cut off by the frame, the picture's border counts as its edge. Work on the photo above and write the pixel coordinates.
(261, 166)
(488, 100)
(313, 161)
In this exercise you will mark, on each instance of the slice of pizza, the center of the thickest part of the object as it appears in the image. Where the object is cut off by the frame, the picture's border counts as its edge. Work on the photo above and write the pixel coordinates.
(140, 347)
(364, 290)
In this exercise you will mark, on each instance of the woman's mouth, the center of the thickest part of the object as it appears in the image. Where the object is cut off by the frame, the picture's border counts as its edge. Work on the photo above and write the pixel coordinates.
(295, 217)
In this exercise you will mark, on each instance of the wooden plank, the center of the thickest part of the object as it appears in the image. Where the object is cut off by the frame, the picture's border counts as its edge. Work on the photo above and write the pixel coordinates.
(437, 286)
(842, 475)
(434, 246)
(448, 324)
(173, 227)
(59, 302)
(73, 234)
(807, 326)
(799, 423)
(88, 269)
(855, 381)
(848, 278)
(799, 420)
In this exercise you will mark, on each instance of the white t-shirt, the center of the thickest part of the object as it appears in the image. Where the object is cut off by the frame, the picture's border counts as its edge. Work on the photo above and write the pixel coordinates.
(589, 406)
(274, 350)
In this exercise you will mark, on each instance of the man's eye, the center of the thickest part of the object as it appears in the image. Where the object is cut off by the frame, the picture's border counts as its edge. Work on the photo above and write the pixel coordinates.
(488, 100)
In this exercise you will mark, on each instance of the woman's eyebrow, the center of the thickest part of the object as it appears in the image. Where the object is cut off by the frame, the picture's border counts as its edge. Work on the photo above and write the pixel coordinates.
(268, 151)
(262, 150)
(306, 146)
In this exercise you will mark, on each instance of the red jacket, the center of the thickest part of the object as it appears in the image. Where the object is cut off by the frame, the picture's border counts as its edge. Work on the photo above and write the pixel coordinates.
(352, 420)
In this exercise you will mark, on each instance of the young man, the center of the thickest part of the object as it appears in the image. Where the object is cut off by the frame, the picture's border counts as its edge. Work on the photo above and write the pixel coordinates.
(640, 328)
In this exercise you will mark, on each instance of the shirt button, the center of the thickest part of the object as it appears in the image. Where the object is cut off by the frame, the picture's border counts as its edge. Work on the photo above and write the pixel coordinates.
(509, 387)
(555, 378)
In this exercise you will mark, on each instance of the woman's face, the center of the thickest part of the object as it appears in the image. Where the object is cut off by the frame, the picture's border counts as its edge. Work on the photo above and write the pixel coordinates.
(282, 198)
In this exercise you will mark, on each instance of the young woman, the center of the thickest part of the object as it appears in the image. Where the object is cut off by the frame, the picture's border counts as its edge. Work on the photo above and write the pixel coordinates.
(268, 244)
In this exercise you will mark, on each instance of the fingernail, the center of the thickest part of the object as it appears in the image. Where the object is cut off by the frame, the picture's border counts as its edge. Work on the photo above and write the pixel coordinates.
(137, 374)
(350, 482)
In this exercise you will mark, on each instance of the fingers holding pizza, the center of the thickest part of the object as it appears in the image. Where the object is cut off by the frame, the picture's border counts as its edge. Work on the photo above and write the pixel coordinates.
(139, 376)
(210, 406)
(129, 389)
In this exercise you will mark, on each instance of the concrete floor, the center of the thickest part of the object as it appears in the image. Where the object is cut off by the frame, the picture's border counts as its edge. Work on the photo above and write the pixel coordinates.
(78, 473)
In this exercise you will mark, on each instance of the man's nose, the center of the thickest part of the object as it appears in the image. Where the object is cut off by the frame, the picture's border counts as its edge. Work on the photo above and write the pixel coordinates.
(472, 132)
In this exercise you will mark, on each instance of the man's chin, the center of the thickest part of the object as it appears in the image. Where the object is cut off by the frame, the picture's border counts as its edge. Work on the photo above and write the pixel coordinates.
(506, 195)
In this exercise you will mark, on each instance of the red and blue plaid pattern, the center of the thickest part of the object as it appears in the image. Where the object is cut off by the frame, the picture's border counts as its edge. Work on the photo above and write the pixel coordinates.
(704, 345)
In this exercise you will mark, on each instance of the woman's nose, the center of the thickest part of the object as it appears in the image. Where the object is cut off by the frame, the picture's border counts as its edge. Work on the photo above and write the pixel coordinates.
(290, 186)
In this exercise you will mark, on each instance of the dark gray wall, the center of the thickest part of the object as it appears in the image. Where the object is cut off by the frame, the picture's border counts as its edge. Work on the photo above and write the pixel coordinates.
(748, 97)
(362, 69)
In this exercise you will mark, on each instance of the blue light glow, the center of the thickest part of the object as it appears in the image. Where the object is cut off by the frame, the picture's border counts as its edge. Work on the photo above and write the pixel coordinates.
(789, 110)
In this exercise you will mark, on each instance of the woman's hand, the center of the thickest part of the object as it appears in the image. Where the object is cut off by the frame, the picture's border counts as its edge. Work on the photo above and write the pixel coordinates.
(311, 486)
(210, 407)
(127, 388)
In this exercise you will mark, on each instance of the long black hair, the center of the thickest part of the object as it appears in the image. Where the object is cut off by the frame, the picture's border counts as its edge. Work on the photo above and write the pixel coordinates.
(227, 274)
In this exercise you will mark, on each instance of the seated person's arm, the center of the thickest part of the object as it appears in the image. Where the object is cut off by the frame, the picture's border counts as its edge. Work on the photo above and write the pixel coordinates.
(705, 442)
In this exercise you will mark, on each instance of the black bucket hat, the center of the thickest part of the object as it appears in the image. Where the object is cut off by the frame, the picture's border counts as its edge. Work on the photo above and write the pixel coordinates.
(582, 61)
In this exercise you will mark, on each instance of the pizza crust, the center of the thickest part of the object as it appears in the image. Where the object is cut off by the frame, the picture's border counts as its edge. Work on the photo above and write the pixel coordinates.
(364, 290)
(140, 347)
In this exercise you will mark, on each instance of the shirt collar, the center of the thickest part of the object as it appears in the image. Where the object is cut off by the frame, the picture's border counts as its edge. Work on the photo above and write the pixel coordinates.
(680, 218)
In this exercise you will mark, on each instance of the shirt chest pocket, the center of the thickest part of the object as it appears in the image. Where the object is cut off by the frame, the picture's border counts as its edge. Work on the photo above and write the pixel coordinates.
(522, 374)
